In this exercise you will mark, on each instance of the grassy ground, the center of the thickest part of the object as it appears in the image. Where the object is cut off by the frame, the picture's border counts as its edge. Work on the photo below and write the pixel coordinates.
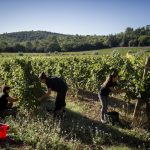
(80, 129)
(121, 50)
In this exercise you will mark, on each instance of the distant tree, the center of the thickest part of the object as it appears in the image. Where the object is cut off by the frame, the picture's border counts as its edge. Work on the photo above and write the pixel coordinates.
(147, 27)
(19, 47)
(144, 40)
(129, 30)
(28, 46)
(124, 41)
(111, 41)
(53, 44)
(133, 43)
(3, 45)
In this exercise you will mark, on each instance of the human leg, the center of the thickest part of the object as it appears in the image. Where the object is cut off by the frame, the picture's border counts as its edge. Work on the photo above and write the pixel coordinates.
(60, 103)
(104, 103)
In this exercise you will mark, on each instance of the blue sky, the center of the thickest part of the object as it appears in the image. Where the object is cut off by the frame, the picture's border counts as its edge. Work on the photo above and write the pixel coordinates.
(83, 17)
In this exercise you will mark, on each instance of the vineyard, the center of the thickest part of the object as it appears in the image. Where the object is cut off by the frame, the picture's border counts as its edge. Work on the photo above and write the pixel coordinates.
(86, 73)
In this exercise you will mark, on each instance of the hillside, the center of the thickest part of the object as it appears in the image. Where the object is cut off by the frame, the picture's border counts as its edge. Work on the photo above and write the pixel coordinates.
(28, 35)
(43, 41)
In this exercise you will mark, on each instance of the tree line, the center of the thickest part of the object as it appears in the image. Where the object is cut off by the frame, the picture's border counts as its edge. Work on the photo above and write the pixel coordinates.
(42, 41)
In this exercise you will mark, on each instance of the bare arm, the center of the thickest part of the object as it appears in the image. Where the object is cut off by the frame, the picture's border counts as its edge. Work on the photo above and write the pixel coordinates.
(117, 91)
(11, 99)
(146, 69)
(45, 95)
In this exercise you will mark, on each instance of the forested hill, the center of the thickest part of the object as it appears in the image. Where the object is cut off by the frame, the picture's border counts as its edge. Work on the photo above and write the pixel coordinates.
(42, 41)
(28, 35)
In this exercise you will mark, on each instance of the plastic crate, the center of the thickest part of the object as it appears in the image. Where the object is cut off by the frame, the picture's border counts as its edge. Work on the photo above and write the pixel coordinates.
(3, 131)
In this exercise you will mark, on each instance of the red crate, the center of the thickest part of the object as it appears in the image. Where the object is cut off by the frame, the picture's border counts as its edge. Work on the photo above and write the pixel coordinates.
(3, 131)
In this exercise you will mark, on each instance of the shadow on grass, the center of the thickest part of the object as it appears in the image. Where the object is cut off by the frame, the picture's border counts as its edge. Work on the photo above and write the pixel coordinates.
(11, 142)
(79, 127)
(113, 102)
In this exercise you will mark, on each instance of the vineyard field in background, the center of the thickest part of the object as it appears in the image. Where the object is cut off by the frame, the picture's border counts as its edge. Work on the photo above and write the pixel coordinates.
(86, 72)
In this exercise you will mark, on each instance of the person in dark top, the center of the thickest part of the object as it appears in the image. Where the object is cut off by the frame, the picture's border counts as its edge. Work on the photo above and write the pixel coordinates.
(6, 102)
(58, 85)
(106, 88)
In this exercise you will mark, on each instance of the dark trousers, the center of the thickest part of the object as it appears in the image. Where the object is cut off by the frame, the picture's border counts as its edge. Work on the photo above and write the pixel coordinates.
(60, 100)
(104, 103)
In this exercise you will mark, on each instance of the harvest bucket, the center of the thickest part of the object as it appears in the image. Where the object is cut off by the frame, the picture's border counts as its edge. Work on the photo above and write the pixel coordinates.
(112, 117)
(3, 131)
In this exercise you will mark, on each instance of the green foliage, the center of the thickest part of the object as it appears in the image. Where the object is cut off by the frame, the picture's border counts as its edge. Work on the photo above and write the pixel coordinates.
(87, 73)
(18, 74)
(121, 147)
(41, 41)
(39, 133)
(81, 130)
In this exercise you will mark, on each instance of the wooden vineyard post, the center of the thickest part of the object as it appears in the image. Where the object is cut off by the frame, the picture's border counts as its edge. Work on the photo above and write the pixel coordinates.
(146, 70)
(137, 112)
(143, 100)
(147, 67)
